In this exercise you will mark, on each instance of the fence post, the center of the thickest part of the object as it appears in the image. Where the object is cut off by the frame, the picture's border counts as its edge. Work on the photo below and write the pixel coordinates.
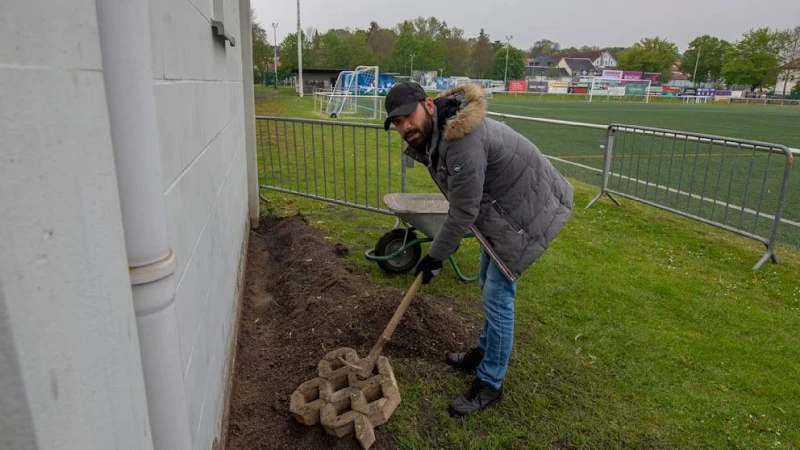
(787, 172)
(405, 162)
(607, 154)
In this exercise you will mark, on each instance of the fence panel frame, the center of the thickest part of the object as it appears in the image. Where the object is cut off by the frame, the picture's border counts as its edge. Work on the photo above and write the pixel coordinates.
(274, 182)
(608, 153)
(699, 138)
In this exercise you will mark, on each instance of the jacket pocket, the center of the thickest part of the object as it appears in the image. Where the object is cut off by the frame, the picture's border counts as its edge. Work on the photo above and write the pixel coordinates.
(507, 217)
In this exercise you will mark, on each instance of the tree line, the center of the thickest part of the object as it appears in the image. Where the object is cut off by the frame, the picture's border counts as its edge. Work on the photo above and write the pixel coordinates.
(758, 59)
(425, 44)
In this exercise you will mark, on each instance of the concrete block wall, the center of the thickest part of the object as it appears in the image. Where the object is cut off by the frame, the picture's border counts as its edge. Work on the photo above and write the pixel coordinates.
(198, 88)
(70, 366)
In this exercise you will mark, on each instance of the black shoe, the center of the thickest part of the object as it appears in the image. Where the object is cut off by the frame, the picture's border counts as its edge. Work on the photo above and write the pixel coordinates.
(466, 361)
(477, 398)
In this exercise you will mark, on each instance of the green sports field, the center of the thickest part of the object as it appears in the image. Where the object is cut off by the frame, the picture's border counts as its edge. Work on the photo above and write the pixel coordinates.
(767, 123)
(724, 183)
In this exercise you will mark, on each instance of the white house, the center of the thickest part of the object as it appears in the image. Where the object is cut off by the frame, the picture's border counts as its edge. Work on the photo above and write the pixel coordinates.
(602, 59)
(578, 67)
(127, 189)
(788, 77)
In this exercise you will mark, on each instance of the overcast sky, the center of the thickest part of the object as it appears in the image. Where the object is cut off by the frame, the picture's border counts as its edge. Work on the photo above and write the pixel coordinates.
(604, 23)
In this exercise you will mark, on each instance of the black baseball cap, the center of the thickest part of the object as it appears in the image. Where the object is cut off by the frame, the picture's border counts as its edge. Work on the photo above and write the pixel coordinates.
(402, 100)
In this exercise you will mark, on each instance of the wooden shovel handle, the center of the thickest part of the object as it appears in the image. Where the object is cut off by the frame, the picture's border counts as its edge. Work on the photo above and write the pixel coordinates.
(373, 355)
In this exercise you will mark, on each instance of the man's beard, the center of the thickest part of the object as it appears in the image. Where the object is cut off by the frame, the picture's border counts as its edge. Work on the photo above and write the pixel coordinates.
(418, 138)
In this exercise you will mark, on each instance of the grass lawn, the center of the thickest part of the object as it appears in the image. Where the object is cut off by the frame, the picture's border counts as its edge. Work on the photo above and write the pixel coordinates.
(637, 328)
(778, 124)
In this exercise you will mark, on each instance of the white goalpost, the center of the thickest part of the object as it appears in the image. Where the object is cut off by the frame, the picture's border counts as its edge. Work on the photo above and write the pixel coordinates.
(621, 90)
(356, 94)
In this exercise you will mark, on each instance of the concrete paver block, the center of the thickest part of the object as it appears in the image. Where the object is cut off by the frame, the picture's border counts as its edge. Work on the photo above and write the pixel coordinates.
(307, 400)
(332, 368)
(365, 432)
(342, 402)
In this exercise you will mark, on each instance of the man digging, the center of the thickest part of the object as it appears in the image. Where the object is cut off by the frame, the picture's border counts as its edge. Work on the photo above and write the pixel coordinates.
(500, 187)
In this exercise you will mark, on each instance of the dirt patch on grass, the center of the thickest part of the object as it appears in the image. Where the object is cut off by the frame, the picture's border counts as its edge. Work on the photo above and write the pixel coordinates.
(303, 300)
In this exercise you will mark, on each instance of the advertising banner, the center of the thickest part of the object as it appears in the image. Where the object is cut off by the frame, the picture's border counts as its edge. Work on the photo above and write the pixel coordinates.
(557, 87)
(517, 86)
(655, 77)
(428, 80)
(579, 88)
(537, 86)
(616, 91)
(366, 83)
(612, 74)
(385, 83)
(631, 75)
(635, 89)
(669, 91)
(689, 91)
(443, 84)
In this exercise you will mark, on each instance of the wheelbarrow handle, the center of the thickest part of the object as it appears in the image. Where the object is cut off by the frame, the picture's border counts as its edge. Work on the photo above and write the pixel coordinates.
(373, 355)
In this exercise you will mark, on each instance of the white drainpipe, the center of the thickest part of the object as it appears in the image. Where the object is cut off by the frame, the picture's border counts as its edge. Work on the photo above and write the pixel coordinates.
(127, 70)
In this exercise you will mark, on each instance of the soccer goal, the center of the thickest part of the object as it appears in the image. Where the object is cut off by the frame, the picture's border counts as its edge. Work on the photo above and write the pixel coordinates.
(602, 89)
(356, 94)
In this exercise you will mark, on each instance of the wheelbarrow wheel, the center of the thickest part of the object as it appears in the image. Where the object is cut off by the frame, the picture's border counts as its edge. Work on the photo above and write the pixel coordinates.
(393, 241)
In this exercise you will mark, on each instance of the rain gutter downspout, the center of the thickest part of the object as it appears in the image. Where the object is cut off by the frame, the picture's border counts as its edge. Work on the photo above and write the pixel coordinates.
(124, 31)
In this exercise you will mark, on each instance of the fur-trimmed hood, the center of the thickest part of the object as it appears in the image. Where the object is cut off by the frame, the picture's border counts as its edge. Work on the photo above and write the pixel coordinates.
(470, 113)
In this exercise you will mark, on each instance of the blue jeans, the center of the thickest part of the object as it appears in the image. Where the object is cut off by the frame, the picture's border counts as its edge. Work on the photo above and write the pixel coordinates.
(498, 325)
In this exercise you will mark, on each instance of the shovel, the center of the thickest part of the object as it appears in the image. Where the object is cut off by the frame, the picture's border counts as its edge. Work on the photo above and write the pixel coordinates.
(365, 366)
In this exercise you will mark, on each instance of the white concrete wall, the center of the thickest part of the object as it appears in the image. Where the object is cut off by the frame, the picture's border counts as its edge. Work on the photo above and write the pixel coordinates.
(198, 87)
(70, 367)
(70, 370)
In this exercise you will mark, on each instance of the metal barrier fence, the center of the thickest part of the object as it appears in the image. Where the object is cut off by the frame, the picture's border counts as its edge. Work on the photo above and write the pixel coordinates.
(734, 184)
(692, 193)
(350, 164)
(767, 101)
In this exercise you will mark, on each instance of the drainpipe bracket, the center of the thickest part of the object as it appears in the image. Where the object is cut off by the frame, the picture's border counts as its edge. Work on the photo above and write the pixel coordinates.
(154, 271)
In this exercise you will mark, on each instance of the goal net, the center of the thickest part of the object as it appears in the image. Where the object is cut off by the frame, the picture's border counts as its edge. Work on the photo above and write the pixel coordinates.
(602, 89)
(356, 94)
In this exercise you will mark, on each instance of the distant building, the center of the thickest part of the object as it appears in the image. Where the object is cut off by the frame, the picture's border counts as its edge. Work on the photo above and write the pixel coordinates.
(677, 74)
(543, 73)
(317, 79)
(542, 61)
(271, 66)
(788, 80)
(602, 59)
(579, 67)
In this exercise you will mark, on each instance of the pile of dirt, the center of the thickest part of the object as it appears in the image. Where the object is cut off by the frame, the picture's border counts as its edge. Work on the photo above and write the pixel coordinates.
(301, 301)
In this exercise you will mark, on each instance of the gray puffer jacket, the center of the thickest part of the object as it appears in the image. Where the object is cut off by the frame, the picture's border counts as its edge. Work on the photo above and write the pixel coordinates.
(498, 184)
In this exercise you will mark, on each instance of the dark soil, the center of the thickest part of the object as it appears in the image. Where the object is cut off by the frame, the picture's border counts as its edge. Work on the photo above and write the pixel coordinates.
(301, 301)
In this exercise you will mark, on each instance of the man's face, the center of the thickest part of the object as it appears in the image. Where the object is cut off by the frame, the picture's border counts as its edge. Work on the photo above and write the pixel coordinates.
(416, 128)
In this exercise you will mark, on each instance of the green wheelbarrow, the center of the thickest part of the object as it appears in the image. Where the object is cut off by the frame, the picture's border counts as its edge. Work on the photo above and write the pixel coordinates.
(399, 250)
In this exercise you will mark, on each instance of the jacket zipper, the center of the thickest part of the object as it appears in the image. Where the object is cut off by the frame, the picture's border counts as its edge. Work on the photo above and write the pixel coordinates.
(479, 236)
(507, 216)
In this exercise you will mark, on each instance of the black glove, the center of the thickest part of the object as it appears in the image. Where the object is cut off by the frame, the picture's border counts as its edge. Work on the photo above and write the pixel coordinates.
(429, 267)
